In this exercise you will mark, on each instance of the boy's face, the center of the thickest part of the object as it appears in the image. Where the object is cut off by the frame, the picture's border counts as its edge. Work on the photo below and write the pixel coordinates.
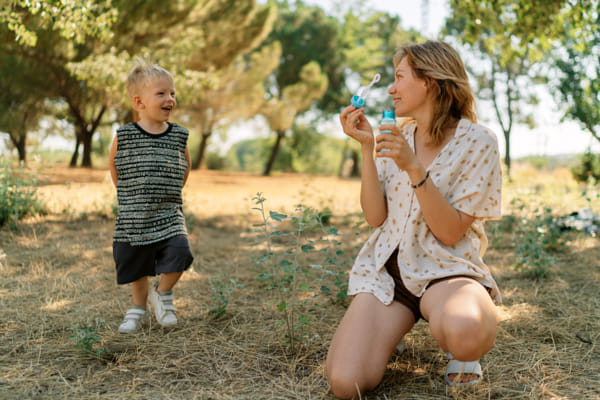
(156, 99)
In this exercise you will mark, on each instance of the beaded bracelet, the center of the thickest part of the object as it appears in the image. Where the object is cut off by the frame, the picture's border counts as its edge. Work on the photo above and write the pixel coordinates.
(418, 185)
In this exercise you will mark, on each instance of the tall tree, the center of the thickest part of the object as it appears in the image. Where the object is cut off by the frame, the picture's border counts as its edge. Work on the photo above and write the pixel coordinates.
(578, 60)
(234, 88)
(201, 45)
(281, 110)
(237, 93)
(52, 42)
(21, 100)
(511, 38)
(94, 82)
(48, 35)
(307, 34)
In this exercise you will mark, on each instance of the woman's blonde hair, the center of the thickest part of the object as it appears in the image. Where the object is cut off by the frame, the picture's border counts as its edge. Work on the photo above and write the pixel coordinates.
(439, 64)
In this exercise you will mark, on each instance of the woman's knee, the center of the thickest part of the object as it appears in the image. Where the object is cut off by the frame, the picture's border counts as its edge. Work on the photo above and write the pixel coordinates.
(344, 382)
(468, 336)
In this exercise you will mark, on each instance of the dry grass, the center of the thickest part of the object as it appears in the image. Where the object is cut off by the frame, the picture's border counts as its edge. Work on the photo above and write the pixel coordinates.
(58, 273)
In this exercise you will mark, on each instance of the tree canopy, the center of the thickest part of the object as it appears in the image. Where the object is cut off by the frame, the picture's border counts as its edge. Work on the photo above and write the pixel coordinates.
(279, 60)
(578, 59)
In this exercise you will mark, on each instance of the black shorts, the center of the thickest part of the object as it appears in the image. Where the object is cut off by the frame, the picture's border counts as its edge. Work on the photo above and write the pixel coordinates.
(135, 262)
(403, 295)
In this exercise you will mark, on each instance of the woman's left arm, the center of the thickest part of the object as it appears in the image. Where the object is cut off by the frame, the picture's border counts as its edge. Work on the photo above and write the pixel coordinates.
(446, 222)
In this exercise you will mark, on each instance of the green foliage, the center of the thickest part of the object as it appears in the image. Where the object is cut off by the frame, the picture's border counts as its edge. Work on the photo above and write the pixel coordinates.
(306, 152)
(290, 272)
(221, 288)
(537, 240)
(249, 155)
(307, 34)
(22, 99)
(314, 153)
(18, 197)
(215, 161)
(588, 168)
(576, 57)
(509, 39)
(73, 19)
(87, 338)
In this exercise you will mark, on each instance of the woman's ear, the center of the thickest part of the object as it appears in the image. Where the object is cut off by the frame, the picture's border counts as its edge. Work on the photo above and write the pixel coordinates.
(428, 83)
(432, 86)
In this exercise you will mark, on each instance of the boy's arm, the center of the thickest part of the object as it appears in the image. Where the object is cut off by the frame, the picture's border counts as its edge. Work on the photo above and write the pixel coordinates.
(189, 165)
(111, 160)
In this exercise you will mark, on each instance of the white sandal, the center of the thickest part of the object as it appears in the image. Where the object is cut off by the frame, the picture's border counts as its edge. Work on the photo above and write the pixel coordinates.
(461, 368)
(134, 318)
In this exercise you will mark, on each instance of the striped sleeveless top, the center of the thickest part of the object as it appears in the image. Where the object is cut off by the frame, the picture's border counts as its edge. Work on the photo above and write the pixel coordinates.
(150, 171)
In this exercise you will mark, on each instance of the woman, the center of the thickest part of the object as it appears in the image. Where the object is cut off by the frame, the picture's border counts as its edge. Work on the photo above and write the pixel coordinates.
(427, 189)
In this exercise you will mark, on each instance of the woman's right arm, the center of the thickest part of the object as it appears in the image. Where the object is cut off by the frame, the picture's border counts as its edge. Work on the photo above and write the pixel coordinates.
(111, 161)
(372, 199)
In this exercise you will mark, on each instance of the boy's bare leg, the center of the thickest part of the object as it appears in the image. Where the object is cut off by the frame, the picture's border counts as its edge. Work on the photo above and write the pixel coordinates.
(168, 280)
(139, 291)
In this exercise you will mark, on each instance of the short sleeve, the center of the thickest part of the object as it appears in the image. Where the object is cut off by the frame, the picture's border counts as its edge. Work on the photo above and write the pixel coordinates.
(477, 191)
(382, 172)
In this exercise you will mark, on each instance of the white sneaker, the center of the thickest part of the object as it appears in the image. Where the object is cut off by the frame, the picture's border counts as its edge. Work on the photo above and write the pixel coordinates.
(133, 321)
(164, 310)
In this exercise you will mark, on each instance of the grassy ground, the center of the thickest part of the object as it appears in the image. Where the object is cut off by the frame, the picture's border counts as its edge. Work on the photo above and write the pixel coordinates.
(58, 282)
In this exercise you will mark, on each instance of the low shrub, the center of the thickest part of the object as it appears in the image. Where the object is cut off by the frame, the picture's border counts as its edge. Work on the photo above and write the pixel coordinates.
(18, 197)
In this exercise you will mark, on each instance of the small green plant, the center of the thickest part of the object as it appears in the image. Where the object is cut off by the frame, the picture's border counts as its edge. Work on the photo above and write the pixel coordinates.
(289, 271)
(87, 338)
(222, 288)
(531, 258)
(588, 169)
(536, 241)
(18, 197)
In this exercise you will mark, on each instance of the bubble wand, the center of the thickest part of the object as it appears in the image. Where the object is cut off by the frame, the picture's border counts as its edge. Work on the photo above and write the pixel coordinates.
(358, 100)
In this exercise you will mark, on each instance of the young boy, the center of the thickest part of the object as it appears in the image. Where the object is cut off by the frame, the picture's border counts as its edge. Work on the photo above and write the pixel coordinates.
(149, 164)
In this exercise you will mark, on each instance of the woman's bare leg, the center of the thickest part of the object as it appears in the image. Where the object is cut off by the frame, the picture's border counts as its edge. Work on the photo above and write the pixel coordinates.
(462, 318)
(363, 344)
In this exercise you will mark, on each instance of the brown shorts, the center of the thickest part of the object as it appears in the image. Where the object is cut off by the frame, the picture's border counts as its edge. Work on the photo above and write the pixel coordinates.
(401, 293)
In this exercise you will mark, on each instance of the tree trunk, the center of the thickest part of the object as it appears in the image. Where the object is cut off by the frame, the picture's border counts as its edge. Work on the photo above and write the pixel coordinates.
(86, 161)
(20, 143)
(345, 152)
(21, 148)
(201, 149)
(87, 133)
(75, 155)
(269, 166)
(507, 152)
(355, 169)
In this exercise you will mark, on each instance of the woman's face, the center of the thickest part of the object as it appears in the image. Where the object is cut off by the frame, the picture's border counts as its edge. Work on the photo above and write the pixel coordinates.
(408, 91)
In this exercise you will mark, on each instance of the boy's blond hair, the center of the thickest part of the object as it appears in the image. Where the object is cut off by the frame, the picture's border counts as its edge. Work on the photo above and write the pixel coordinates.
(143, 71)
